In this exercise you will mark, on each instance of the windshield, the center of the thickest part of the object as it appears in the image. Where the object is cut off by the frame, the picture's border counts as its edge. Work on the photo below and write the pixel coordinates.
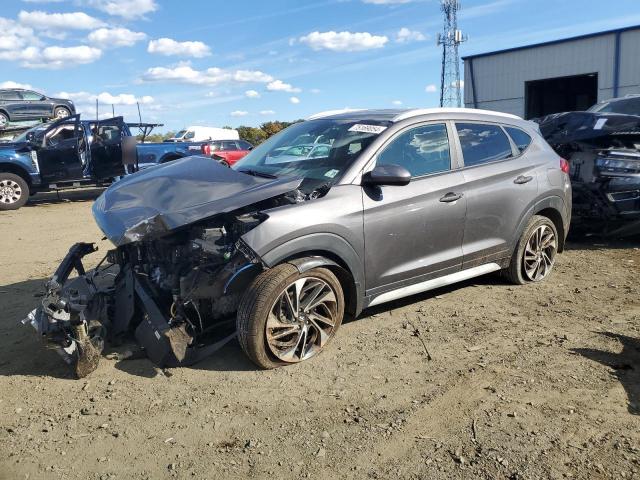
(628, 106)
(319, 151)
(37, 130)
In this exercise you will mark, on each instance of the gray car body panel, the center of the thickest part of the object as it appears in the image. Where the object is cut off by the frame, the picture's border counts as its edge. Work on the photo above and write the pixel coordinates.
(408, 236)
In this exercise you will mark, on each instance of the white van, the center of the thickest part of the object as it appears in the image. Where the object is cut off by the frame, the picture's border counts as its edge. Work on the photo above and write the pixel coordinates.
(202, 134)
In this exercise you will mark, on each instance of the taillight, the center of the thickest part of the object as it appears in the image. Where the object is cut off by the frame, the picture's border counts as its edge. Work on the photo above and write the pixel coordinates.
(564, 166)
(206, 149)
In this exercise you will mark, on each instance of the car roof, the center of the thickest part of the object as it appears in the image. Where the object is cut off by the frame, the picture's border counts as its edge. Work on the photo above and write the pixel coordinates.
(395, 115)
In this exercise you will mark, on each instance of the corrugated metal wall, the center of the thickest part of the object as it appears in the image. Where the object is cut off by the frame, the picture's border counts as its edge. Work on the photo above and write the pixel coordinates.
(500, 78)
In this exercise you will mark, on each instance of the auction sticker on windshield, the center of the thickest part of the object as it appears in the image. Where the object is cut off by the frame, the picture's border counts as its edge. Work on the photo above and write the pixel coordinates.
(363, 128)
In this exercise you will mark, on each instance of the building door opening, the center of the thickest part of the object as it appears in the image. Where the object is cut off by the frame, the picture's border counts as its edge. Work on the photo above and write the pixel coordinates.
(564, 94)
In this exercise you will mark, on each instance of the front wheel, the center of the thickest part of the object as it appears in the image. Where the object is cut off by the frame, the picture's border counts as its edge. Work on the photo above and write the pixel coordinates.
(14, 191)
(287, 317)
(535, 254)
(4, 120)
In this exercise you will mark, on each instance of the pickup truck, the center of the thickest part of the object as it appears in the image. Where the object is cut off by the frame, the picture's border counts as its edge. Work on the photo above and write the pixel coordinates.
(72, 153)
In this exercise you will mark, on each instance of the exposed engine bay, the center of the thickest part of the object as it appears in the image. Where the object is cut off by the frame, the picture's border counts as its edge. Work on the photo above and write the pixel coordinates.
(603, 150)
(175, 292)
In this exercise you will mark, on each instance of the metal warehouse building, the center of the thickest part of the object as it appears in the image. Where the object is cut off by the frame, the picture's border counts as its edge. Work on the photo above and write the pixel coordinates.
(557, 76)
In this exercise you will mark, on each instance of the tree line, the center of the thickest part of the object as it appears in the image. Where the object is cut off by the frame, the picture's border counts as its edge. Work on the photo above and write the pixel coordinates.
(253, 135)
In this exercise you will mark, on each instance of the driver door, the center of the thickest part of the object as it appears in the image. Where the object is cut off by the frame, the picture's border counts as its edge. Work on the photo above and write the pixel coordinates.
(414, 233)
(106, 148)
(62, 151)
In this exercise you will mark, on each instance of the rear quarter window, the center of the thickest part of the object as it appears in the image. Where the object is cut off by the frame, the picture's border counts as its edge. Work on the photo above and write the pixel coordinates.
(519, 137)
(483, 143)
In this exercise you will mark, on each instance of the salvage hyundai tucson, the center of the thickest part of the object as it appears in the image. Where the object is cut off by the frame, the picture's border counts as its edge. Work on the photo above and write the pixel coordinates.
(279, 249)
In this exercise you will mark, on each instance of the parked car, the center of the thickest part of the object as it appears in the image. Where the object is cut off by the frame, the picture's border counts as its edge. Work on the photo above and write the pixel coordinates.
(202, 134)
(629, 105)
(404, 202)
(72, 152)
(17, 105)
(602, 147)
(227, 152)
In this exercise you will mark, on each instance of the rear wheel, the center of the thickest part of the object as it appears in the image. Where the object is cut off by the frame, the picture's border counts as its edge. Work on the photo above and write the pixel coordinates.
(61, 112)
(4, 120)
(14, 191)
(287, 317)
(535, 254)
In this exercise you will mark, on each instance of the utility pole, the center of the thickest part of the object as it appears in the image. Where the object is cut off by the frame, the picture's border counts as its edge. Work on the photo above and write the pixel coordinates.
(450, 39)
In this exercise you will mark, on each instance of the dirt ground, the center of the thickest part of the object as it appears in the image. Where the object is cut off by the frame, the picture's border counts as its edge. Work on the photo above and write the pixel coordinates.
(532, 382)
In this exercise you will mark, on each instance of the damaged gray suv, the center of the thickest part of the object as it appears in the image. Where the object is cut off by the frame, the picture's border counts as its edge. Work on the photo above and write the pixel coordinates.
(333, 215)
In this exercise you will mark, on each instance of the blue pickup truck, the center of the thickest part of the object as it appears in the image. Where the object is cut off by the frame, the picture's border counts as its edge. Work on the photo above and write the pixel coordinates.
(72, 153)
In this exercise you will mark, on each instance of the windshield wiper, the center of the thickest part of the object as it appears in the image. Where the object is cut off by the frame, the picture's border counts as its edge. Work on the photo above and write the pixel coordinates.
(256, 173)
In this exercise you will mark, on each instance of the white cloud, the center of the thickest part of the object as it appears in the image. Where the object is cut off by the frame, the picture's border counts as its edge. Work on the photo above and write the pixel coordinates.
(15, 36)
(344, 41)
(58, 57)
(123, 99)
(184, 73)
(12, 84)
(280, 86)
(52, 21)
(431, 88)
(252, 76)
(267, 112)
(397, 102)
(114, 37)
(252, 94)
(405, 35)
(127, 9)
(86, 103)
(239, 113)
(315, 91)
(168, 46)
(294, 100)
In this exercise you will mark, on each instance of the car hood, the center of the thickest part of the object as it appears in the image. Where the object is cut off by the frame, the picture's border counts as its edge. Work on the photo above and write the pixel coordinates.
(161, 199)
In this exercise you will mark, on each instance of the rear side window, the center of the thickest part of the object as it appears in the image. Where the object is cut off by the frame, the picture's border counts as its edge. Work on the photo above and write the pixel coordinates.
(10, 95)
(519, 137)
(483, 143)
(421, 150)
(227, 145)
(244, 145)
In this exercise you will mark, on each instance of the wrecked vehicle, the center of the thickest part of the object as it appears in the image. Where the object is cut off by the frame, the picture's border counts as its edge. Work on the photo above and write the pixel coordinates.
(278, 252)
(603, 150)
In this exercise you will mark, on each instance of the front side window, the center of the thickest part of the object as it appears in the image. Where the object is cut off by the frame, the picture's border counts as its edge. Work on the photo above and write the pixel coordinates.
(189, 135)
(519, 137)
(31, 96)
(422, 150)
(296, 151)
(627, 106)
(482, 143)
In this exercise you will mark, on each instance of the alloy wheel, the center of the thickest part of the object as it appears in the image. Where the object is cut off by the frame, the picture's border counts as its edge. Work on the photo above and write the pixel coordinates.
(10, 191)
(302, 320)
(540, 253)
(4, 121)
(62, 113)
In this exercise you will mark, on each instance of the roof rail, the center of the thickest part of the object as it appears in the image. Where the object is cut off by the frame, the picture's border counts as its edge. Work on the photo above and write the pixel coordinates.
(328, 113)
(427, 111)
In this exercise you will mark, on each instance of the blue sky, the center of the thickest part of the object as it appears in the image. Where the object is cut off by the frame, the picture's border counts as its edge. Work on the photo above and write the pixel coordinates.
(219, 62)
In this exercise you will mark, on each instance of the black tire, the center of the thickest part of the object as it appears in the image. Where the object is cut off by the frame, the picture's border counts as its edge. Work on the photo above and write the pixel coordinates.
(4, 120)
(61, 112)
(261, 297)
(224, 163)
(516, 271)
(20, 187)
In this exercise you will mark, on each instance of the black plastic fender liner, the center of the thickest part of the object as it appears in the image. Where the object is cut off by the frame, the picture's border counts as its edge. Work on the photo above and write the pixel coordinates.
(307, 263)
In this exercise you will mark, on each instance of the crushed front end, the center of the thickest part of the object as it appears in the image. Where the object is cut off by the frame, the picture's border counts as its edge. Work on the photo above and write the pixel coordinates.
(603, 151)
(175, 295)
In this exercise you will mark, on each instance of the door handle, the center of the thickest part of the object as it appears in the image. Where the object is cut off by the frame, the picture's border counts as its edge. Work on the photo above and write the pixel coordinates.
(522, 179)
(451, 197)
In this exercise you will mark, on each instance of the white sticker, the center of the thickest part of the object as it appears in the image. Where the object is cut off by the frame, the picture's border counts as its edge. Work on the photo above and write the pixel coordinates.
(600, 123)
(34, 160)
(361, 127)
(332, 173)
(193, 147)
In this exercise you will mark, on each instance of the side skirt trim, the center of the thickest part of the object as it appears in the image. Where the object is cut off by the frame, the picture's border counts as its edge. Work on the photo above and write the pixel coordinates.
(435, 283)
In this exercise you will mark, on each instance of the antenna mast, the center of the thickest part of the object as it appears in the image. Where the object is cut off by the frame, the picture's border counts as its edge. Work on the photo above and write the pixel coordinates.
(450, 39)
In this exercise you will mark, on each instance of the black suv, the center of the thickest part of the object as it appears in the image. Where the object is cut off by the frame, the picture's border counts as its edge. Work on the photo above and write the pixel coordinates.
(17, 104)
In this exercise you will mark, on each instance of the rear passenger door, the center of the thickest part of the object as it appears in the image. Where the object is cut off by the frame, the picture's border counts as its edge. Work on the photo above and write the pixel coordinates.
(413, 233)
(500, 187)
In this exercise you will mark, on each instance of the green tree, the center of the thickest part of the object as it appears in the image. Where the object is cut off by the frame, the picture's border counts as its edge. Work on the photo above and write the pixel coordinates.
(253, 135)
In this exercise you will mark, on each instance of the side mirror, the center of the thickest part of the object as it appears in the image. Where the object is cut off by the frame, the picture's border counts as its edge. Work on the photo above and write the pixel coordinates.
(387, 175)
(32, 140)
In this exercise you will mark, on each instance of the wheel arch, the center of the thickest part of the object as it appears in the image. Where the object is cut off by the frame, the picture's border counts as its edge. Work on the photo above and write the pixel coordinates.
(16, 170)
(2, 110)
(329, 251)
